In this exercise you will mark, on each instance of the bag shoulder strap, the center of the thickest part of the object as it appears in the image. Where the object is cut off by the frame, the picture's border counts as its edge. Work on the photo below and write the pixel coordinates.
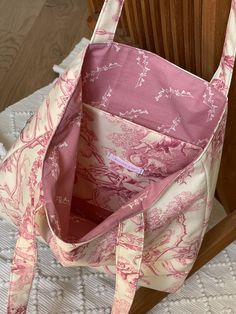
(109, 17)
(129, 253)
(107, 21)
(23, 265)
(223, 75)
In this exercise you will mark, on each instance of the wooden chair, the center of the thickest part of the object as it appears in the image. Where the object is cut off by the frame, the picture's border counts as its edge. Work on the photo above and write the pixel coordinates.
(189, 33)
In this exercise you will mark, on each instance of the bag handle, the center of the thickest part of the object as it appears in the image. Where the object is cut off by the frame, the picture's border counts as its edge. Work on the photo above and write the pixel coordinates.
(107, 21)
(23, 265)
(129, 249)
(129, 252)
(109, 17)
(223, 75)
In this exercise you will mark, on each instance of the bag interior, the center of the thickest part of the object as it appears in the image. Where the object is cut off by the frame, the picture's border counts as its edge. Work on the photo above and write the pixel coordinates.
(143, 119)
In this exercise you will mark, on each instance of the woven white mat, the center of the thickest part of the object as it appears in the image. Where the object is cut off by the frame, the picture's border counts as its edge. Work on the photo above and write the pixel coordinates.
(58, 290)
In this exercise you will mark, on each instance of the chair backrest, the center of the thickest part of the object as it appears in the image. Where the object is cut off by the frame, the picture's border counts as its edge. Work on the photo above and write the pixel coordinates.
(189, 33)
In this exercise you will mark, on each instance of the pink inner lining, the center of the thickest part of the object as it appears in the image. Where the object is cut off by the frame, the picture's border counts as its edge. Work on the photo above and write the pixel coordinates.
(172, 116)
(148, 90)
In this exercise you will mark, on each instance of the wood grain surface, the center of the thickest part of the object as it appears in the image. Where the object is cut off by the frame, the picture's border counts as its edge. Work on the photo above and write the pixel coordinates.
(35, 35)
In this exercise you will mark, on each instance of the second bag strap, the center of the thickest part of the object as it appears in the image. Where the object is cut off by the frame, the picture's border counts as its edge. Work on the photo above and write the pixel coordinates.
(107, 22)
(129, 252)
(23, 265)
(223, 76)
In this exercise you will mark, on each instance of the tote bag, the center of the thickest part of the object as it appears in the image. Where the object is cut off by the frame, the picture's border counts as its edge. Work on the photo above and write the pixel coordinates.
(118, 167)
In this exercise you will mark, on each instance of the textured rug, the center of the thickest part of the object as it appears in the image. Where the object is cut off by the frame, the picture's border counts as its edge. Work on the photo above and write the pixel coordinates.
(59, 290)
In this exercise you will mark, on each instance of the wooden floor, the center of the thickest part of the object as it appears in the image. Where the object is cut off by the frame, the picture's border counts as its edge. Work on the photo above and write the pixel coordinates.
(34, 35)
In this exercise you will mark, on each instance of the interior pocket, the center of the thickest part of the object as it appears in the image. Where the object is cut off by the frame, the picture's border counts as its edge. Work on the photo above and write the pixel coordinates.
(118, 159)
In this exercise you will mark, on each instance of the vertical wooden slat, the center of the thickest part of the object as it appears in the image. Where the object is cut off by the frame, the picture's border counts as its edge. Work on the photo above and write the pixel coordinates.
(156, 27)
(222, 13)
(173, 26)
(186, 34)
(124, 24)
(197, 18)
(138, 24)
(166, 30)
(145, 6)
(192, 39)
(208, 38)
(130, 20)
(175, 38)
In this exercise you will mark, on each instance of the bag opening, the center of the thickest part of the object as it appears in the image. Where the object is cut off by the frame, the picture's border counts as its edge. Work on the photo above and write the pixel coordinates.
(141, 123)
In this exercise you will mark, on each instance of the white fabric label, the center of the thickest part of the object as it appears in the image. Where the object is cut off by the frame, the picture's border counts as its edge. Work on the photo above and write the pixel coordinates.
(125, 164)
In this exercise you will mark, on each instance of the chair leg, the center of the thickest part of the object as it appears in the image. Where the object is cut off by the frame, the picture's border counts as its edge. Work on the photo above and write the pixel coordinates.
(215, 240)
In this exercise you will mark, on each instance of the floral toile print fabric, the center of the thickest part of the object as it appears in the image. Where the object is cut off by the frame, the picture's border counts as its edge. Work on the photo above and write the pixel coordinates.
(117, 169)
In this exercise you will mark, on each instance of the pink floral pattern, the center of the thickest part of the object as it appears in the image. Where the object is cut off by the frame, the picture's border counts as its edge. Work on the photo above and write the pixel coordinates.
(23, 265)
(170, 92)
(148, 150)
(160, 217)
(222, 78)
(56, 182)
(208, 100)
(95, 74)
(142, 61)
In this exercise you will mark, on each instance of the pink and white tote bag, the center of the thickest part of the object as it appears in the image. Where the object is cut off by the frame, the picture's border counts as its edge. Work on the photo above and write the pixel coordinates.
(118, 167)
